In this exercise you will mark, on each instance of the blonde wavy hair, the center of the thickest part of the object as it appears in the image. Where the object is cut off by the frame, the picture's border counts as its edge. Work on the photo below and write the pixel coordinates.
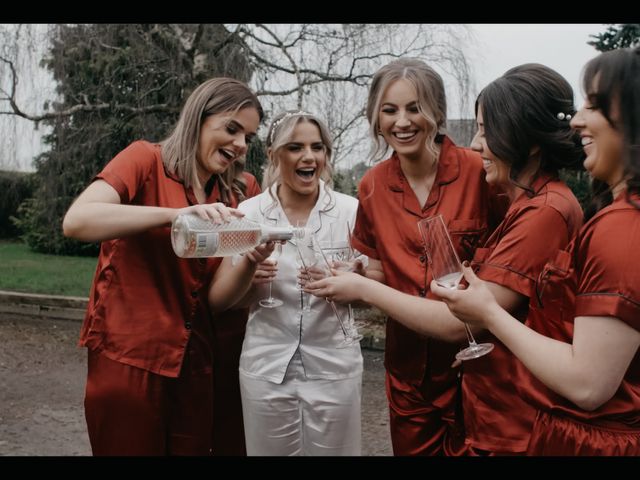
(432, 102)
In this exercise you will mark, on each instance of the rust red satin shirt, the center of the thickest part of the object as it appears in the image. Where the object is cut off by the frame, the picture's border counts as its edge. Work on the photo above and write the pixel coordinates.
(146, 302)
(496, 418)
(386, 229)
(597, 275)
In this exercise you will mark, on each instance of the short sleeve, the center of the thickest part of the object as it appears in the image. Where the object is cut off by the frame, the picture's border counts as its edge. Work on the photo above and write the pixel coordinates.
(608, 261)
(531, 238)
(363, 238)
(129, 169)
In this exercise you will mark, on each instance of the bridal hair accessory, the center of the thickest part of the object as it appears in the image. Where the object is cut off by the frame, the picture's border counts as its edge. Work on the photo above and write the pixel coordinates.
(563, 116)
(299, 113)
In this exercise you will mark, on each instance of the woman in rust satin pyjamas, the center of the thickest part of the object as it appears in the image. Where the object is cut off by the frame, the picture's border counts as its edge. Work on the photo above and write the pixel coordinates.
(148, 327)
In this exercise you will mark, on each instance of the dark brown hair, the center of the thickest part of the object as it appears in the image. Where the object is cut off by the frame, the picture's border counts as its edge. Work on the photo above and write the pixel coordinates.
(520, 111)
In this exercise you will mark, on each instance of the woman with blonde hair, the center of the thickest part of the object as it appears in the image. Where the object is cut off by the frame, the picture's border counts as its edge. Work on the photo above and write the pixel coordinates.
(300, 392)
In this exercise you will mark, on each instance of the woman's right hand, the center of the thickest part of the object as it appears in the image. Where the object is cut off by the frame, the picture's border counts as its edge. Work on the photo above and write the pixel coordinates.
(266, 270)
(310, 274)
(217, 212)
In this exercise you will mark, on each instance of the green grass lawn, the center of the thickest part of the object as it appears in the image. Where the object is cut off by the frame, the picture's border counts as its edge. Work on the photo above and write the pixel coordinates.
(22, 270)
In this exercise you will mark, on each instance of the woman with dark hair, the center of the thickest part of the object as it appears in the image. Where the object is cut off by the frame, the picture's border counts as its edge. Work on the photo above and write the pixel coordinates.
(579, 346)
(524, 138)
(148, 328)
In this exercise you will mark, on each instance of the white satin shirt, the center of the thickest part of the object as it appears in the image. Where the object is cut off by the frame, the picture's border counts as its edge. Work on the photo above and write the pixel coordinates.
(274, 334)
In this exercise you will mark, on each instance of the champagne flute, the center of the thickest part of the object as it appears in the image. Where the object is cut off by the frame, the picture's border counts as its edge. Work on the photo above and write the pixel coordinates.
(306, 259)
(447, 272)
(351, 335)
(271, 301)
(341, 256)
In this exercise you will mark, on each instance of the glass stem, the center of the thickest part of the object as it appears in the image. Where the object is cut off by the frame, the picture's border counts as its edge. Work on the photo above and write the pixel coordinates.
(352, 323)
(470, 339)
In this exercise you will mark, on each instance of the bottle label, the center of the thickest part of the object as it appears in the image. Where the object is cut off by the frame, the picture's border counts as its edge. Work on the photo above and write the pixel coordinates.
(206, 244)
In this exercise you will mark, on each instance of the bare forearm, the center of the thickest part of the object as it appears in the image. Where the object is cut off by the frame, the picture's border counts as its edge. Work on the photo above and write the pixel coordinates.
(97, 221)
(549, 360)
(425, 316)
(377, 275)
(231, 285)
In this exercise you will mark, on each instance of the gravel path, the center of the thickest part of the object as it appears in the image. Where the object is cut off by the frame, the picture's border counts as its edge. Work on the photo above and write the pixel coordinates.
(42, 377)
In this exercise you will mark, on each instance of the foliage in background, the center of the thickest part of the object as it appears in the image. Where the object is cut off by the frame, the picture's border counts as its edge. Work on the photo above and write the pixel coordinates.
(124, 82)
(120, 82)
(617, 36)
(256, 158)
(15, 187)
(580, 185)
(347, 180)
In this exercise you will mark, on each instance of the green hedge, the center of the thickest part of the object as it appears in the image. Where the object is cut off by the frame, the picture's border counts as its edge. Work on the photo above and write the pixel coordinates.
(580, 184)
(15, 187)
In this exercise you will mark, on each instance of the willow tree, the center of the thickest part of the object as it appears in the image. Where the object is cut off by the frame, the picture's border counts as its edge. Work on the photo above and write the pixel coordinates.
(117, 83)
(327, 69)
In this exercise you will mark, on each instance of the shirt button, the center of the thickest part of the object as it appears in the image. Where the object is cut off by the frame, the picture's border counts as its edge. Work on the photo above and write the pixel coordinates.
(187, 325)
(422, 292)
(422, 258)
(194, 294)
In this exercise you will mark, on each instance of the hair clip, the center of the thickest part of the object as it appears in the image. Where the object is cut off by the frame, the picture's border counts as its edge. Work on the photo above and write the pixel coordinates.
(562, 116)
(299, 113)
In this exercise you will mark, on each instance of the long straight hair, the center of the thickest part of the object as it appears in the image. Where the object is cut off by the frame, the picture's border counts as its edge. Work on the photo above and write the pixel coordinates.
(179, 150)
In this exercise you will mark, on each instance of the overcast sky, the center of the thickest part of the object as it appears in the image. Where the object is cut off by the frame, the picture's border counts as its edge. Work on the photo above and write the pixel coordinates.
(499, 47)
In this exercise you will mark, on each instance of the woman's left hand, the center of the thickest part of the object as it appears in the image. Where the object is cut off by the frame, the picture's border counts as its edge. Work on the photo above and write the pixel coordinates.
(342, 287)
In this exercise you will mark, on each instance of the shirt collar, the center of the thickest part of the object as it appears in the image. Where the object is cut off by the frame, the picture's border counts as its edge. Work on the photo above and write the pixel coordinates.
(448, 166)
(273, 213)
(539, 182)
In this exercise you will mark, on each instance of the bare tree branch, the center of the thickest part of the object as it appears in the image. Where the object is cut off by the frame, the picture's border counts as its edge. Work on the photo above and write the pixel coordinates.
(85, 107)
(90, 108)
(298, 66)
(325, 68)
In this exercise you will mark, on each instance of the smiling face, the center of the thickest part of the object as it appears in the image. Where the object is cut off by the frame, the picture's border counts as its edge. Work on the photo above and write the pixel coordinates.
(401, 124)
(601, 141)
(302, 160)
(497, 171)
(223, 139)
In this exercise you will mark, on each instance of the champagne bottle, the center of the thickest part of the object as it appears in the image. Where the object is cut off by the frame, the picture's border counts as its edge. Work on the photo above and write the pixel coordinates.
(193, 236)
